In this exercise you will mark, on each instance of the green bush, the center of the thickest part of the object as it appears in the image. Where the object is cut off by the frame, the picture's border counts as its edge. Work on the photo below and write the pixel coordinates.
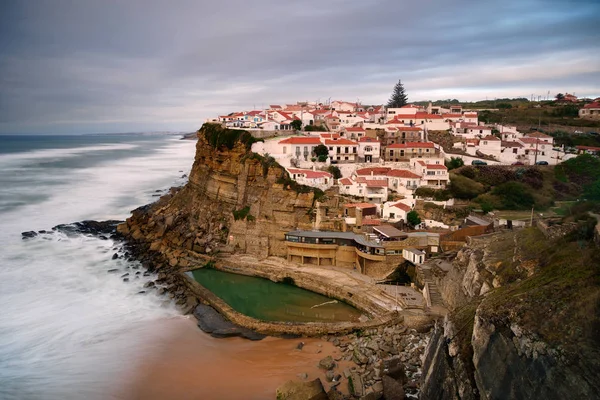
(455, 162)
(514, 196)
(218, 137)
(413, 218)
(241, 214)
(464, 188)
(322, 158)
(335, 171)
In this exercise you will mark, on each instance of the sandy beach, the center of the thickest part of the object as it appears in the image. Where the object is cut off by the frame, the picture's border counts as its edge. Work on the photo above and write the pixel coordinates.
(189, 364)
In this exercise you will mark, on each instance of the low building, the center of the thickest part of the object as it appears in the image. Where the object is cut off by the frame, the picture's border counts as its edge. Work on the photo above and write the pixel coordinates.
(319, 179)
(367, 253)
(369, 150)
(342, 150)
(395, 211)
(414, 256)
(590, 111)
(588, 150)
(406, 151)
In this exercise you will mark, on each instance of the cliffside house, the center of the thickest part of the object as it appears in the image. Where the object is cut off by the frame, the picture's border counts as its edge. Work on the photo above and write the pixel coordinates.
(375, 255)
(320, 179)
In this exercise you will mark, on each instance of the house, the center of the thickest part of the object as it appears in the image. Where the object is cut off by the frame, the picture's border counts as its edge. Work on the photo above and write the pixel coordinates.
(590, 111)
(332, 122)
(433, 175)
(319, 179)
(353, 132)
(407, 111)
(372, 190)
(299, 146)
(399, 133)
(403, 181)
(269, 125)
(350, 119)
(470, 117)
(372, 172)
(395, 211)
(365, 209)
(490, 145)
(414, 256)
(408, 150)
(343, 106)
(342, 150)
(588, 150)
(369, 150)
(511, 151)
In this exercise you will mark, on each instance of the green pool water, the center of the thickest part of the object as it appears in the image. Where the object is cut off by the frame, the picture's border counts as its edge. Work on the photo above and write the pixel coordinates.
(269, 301)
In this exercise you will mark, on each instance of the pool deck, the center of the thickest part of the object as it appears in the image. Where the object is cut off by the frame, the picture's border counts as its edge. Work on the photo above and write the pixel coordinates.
(383, 296)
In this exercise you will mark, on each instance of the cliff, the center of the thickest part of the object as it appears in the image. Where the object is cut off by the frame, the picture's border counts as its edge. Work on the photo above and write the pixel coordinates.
(234, 201)
(525, 320)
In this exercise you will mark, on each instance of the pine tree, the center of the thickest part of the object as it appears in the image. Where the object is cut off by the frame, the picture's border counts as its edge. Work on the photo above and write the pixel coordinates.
(398, 98)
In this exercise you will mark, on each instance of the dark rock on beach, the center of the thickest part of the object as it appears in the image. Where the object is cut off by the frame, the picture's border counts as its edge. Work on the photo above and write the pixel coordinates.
(28, 235)
(210, 321)
(88, 227)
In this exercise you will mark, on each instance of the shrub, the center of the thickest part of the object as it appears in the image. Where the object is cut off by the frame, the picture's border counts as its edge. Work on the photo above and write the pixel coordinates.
(335, 171)
(462, 187)
(493, 175)
(533, 177)
(322, 158)
(514, 196)
(469, 172)
(321, 150)
(413, 218)
(241, 214)
(217, 136)
(455, 162)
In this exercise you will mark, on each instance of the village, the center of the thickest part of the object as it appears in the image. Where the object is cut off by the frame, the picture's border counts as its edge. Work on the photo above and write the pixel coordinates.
(377, 157)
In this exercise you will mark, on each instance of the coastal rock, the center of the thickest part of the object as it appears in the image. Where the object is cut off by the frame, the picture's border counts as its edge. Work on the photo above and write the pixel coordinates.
(327, 363)
(392, 390)
(291, 390)
(210, 321)
(355, 385)
(29, 234)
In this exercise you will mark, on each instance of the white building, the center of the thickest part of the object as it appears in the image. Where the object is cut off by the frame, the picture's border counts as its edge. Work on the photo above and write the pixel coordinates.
(369, 150)
(413, 255)
(319, 179)
(342, 150)
(394, 211)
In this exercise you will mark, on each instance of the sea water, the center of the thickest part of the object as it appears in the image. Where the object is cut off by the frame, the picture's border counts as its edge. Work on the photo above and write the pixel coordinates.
(68, 329)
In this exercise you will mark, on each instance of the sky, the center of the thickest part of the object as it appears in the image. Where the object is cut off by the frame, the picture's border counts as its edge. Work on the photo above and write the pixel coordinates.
(87, 66)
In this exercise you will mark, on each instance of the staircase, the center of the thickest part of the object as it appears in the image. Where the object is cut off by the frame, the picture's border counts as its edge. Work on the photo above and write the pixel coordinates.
(434, 293)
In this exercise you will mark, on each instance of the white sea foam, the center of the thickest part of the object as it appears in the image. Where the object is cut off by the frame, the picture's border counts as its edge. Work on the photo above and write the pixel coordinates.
(68, 329)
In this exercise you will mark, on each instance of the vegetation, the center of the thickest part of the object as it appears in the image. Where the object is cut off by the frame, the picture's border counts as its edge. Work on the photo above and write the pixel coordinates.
(315, 128)
(321, 150)
(413, 218)
(335, 171)
(322, 158)
(296, 124)
(455, 162)
(219, 137)
(290, 184)
(398, 97)
(241, 214)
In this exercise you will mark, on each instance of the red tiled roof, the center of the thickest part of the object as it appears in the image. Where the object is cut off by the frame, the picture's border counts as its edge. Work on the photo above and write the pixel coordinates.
(436, 166)
(423, 115)
(355, 129)
(592, 105)
(588, 148)
(339, 142)
(301, 140)
(346, 181)
(530, 140)
(490, 137)
(330, 135)
(412, 145)
(374, 170)
(376, 182)
(402, 206)
(452, 115)
(360, 205)
(510, 144)
(274, 106)
(409, 129)
(371, 222)
(310, 174)
(402, 173)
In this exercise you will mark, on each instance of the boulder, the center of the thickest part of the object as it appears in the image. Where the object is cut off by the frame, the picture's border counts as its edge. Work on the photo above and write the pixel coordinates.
(355, 385)
(327, 363)
(392, 389)
(28, 235)
(311, 390)
(359, 358)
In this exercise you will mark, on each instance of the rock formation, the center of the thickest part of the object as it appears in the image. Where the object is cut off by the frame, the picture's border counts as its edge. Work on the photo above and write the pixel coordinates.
(524, 323)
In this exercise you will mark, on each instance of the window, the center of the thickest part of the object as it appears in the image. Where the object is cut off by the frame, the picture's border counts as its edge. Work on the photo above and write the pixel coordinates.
(368, 148)
(330, 148)
(401, 153)
(346, 150)
(392, 215)
(345, 158)
(391, 153)
(515, 150)
(284, 149)
(485, 142)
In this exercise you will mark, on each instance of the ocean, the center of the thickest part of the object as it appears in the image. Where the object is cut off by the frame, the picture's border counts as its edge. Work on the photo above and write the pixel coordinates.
(69, 329)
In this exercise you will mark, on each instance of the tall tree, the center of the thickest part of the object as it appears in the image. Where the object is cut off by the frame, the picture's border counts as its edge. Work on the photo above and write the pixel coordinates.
(398, 98)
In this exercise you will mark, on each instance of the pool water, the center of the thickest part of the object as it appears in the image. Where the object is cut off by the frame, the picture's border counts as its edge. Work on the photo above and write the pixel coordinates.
(270, 301)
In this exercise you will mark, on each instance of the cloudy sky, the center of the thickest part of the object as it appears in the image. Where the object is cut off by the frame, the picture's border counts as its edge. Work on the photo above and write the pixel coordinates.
(85, 66)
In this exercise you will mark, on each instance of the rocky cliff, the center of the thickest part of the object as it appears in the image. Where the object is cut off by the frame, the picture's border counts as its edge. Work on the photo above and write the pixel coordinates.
(525, 320)
(235, 200)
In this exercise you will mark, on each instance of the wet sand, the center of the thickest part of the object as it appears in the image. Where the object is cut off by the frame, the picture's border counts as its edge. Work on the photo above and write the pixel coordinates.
(189, 364)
